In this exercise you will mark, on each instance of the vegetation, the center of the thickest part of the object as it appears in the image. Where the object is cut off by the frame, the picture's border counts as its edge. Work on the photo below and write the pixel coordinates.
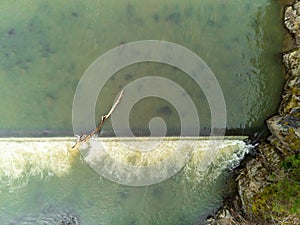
(281, 199)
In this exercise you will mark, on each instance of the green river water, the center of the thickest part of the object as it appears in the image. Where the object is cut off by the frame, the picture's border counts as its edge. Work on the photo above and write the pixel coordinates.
(46, 46)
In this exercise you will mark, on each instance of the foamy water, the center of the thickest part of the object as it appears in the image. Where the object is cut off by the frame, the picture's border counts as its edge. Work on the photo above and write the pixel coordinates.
(23, 158)
(43, 179)
(141, 161)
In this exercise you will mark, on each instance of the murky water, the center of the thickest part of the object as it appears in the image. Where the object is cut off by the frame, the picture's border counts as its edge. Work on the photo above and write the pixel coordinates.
(43, 181)
(45, 47)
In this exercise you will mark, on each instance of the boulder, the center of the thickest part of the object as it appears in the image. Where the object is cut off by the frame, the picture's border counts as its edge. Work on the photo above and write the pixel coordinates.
(292, 20)
(285, 133)
(291, 97)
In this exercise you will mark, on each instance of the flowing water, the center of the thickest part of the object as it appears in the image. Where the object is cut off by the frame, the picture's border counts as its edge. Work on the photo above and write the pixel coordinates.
(45, 47)
(43, 181)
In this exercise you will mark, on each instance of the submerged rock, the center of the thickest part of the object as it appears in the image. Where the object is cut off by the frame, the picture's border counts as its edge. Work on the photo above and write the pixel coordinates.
(49, 216)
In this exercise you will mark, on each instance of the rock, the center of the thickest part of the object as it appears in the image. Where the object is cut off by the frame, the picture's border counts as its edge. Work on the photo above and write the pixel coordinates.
(223, 217)
(227, 216)
(297, 7)
(256, 175)
(291, 97)
(270, 156)
(290, 105)
(291, 61)
(251, 179)
(223, 221)
(292, 20)
(285, 133)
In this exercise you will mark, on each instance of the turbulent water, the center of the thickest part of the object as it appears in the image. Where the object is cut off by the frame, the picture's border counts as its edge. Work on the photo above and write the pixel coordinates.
(23, 158)
(45, 47)
(45, 180)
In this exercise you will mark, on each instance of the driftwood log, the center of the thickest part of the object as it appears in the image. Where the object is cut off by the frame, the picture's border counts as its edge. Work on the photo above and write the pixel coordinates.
(84, 138)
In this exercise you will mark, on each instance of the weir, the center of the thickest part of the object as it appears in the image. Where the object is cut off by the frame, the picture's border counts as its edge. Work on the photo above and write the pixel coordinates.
(25, 157)
(41, 176)
(128, 181)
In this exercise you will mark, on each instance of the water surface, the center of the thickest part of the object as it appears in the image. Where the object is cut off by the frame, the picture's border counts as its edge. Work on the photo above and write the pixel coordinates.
(44, 181)
(46, 47)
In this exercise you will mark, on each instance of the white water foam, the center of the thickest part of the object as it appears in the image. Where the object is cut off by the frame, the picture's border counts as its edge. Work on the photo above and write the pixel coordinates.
(122, 161)
(21, 158)
(229, 155)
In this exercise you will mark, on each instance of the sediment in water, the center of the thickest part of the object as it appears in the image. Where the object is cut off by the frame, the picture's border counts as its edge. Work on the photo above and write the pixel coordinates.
(271, 173)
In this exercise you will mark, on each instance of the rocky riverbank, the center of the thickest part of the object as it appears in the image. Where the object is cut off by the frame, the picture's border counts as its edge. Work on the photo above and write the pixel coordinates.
(268, 182)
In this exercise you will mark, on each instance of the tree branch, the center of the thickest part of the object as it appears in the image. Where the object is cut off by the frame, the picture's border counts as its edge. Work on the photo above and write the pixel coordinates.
(103, 119)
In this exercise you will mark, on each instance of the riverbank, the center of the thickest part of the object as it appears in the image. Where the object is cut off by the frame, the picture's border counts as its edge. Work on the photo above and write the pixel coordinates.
(268, 180)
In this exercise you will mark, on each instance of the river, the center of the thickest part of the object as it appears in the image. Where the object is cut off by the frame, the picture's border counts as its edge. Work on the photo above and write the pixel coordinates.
(47, 46)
